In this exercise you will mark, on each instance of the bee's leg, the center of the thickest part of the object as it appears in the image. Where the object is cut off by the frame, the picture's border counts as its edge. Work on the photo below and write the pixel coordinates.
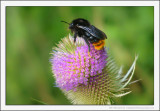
(86, 40)
(75, 36)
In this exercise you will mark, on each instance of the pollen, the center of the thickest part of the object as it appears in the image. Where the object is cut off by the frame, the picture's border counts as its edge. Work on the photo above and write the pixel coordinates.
(99, 45)
(89, 54)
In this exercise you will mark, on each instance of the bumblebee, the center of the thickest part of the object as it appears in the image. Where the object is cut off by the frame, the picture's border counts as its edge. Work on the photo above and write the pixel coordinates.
(82, 28)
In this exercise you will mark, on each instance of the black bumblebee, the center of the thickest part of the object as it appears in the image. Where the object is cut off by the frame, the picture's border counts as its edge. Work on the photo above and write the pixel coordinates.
(82, 28)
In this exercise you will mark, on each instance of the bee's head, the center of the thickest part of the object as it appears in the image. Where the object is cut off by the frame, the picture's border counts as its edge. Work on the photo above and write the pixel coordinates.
(72, 26)
(77, 22)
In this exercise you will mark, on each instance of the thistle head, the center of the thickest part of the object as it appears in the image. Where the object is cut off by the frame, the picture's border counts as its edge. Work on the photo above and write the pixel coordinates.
(87, 77)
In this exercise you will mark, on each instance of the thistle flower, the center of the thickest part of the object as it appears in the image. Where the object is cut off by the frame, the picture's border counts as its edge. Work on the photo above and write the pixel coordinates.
(88, 78)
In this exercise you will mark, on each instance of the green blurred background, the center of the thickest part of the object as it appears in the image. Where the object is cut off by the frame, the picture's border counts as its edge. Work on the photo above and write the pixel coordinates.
(33, 31)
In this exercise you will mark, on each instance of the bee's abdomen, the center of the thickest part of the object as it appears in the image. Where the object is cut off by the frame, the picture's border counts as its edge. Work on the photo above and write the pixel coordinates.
(99, 45)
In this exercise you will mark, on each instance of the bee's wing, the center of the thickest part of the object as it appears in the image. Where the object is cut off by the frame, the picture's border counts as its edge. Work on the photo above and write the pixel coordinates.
(98, 33)
(94, 32)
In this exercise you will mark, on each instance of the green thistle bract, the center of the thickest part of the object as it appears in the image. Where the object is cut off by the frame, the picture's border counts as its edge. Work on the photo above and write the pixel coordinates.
(88, 79)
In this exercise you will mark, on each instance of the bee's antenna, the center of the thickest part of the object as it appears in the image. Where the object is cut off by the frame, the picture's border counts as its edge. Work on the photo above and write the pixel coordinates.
(65, 22)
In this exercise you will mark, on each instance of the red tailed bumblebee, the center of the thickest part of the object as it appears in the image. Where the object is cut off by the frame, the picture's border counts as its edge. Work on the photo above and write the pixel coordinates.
(82, 28)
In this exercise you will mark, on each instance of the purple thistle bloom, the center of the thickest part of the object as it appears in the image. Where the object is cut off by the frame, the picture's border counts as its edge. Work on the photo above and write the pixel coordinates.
(87, 78)
(75, 69)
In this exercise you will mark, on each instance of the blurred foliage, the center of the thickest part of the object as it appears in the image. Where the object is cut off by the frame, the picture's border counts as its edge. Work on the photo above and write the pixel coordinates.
(33, 31)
